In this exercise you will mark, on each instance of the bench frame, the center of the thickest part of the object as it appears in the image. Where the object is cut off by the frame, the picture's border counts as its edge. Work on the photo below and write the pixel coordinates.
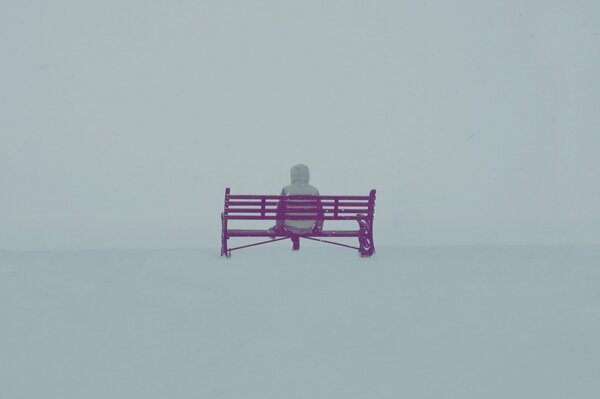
(273, 207)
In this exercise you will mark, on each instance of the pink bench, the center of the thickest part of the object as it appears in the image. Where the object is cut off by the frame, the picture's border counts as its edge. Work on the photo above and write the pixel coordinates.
(299, 207)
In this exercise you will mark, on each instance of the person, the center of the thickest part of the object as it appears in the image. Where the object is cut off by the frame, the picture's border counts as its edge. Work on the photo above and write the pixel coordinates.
(300, 176)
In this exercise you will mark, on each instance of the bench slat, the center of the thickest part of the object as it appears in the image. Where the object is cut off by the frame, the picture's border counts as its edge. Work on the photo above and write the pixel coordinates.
(250, 197)
(251, 203)
(300, 197)
(289, 217)
(324, 204)
(266, 233)
(308, 212)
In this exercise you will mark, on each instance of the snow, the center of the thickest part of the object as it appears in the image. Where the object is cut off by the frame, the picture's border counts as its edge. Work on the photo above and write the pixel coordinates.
(417, 322)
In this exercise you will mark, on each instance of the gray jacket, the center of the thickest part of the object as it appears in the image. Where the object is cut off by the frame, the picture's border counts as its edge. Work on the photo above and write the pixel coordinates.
(300, 176)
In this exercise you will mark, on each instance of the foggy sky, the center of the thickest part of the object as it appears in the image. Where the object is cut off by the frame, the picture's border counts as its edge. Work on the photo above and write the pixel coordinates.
(122, 122)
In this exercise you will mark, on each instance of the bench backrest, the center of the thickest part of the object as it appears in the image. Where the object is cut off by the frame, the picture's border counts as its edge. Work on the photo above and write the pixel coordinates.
(299, 207)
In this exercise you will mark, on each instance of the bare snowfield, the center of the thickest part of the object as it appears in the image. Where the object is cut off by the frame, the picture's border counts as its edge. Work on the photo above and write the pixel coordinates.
(415, 322)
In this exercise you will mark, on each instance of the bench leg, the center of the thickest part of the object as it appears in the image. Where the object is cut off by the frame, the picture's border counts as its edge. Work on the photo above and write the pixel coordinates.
(295, 243)
(224, 250)
(365, 239)
(224, 238)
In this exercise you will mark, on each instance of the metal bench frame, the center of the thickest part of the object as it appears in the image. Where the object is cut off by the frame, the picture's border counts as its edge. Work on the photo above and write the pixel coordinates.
(301, 207)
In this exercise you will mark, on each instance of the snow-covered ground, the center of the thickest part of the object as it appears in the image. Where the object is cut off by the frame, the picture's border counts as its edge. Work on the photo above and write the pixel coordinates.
(417, 322)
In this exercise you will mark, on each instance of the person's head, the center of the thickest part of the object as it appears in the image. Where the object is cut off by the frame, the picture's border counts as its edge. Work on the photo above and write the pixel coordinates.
(299, 174)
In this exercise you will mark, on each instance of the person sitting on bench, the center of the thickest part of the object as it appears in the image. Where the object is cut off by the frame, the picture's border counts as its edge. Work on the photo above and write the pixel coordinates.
(300, 177)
